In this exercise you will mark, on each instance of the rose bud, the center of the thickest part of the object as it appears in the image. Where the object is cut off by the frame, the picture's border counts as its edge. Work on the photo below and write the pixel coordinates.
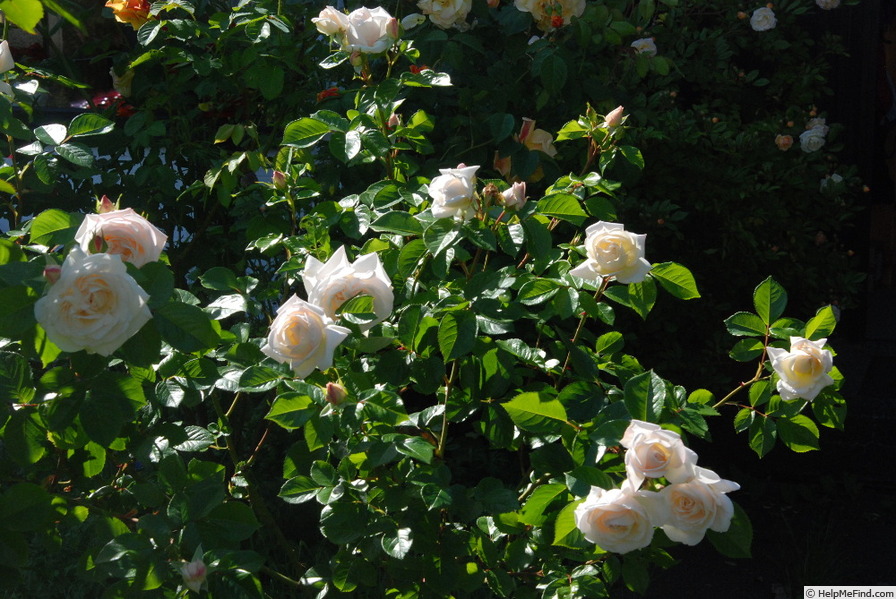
(52, 272)
(193, 574)
(105, 205)
(336, 393)
(614, 118)
(279, 180)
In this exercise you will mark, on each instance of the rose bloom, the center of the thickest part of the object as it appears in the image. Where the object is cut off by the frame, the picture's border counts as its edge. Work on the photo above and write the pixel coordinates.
(685, 511)
(193, 574)
(133, 12)
(802, 371)
(645, 45)
(818, 123)
(784, 142)
(654, 452)
(125, 233)
(447, 13)
(763, 19)
(827, 4)
(550, 14)
(331, 21)
(452, 192)
(613, 252)
(6, 61)
(94, 305)
(303, 336)
(514, 197)
(615, 520)
(812, 139)
(331, 284)
(536, 139)
(370, 31)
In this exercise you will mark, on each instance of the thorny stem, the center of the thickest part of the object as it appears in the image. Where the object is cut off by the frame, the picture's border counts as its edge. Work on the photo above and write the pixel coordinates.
(443, 434)
(756, 377)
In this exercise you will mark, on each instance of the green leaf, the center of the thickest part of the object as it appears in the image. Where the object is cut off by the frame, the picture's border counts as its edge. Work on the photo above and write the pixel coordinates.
(24, 14)
(417, 448)
(15, 378)
(299, 489)
(538, 291)
(304, 133)
(457, 334)
(535, 506)
(26, 506)
(398, 543)
(77, 154)
(536, 413)
(609, 343)
(108, 407)
(54, 227)
(51, 134)
(745, 324)
(760, 393)
(564, 206)
(566, 533)
(763, 433)
(186, 328)
(769, 299)
(676, 279)
(640, 297)
(343, 523)
(16, 311)
(89, 124)
(24, 437)
(822, 324)
(292, 410)
(798, 433)
(633, 155)
(219, 278)
(553, 74)
(644, 395)
(830, 410)
(746, 350)
(440, 235)
(736, 541)
(397, 222)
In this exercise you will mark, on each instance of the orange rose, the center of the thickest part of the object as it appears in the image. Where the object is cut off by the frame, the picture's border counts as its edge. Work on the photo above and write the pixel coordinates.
(133, 12)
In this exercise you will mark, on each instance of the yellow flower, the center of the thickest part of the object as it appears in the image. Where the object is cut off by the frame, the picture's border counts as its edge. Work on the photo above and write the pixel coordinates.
(133, 12)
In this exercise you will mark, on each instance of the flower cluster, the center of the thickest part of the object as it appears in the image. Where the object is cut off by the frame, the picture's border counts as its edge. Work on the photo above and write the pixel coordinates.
(813, 138)
(802, 371)
(551, 14)
(446, 14)
(693, 501)
(93, 303)
(364, 30)
(304, 333)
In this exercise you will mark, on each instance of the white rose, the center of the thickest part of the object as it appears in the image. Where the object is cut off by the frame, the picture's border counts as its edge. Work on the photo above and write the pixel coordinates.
(514, 197)
(452, 192)
(827, 4)
(613, 252)
(331, 284)
(331, 21)
(802, 371)
(818, 123)
(550, 14)
(95, 305)
(446, 13)
(654, 452)
(126, 233)
(690, 508)
(813, 139)
(615, 520)
(370, 31)
(645, 45)
(6, 61)
(193, 574)
(763, 19)
(303, 336)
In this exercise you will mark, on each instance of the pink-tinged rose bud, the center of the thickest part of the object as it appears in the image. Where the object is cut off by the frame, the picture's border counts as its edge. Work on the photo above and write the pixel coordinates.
(783, 142)
(279, 180)
(393, 28)
(515, 197)
(105, 205)
(52, 272)
(393, 122)
(193, 574)
(614, 119)
(336, 393)
(97, 244)
(356, 59)
(526, 130)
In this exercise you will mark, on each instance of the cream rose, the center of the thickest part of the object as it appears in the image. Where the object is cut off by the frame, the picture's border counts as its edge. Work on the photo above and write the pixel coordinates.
(784, 142)
(125, 233)
(812, 139)
(303, 336)
(94, 305)
(614, 118)
(763, 19)
(446, 13)
(331, 284)
(6, 61)
(613, 252)
(550, 14)
(615, 520)
(193, 574)
(370, 31)
(655, 452)
(453, 192)
(536, 139)
(691, 508)
(645, 45)
(802, 371)
(331, 21)
(827, 4)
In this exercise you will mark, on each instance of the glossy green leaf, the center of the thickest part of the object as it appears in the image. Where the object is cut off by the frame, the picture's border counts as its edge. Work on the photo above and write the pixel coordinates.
(25, 14)
(89, 123)
(798, 433)
(822, 324)
(535, 413)
(644, 396)
(398, 222)
(563, 206)
(398, 543)
(292, 410)
(676, 279)
(185, 327)
(53, 226)
(770, 300)
(304, 133)
(745, 324)
(736, 542)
